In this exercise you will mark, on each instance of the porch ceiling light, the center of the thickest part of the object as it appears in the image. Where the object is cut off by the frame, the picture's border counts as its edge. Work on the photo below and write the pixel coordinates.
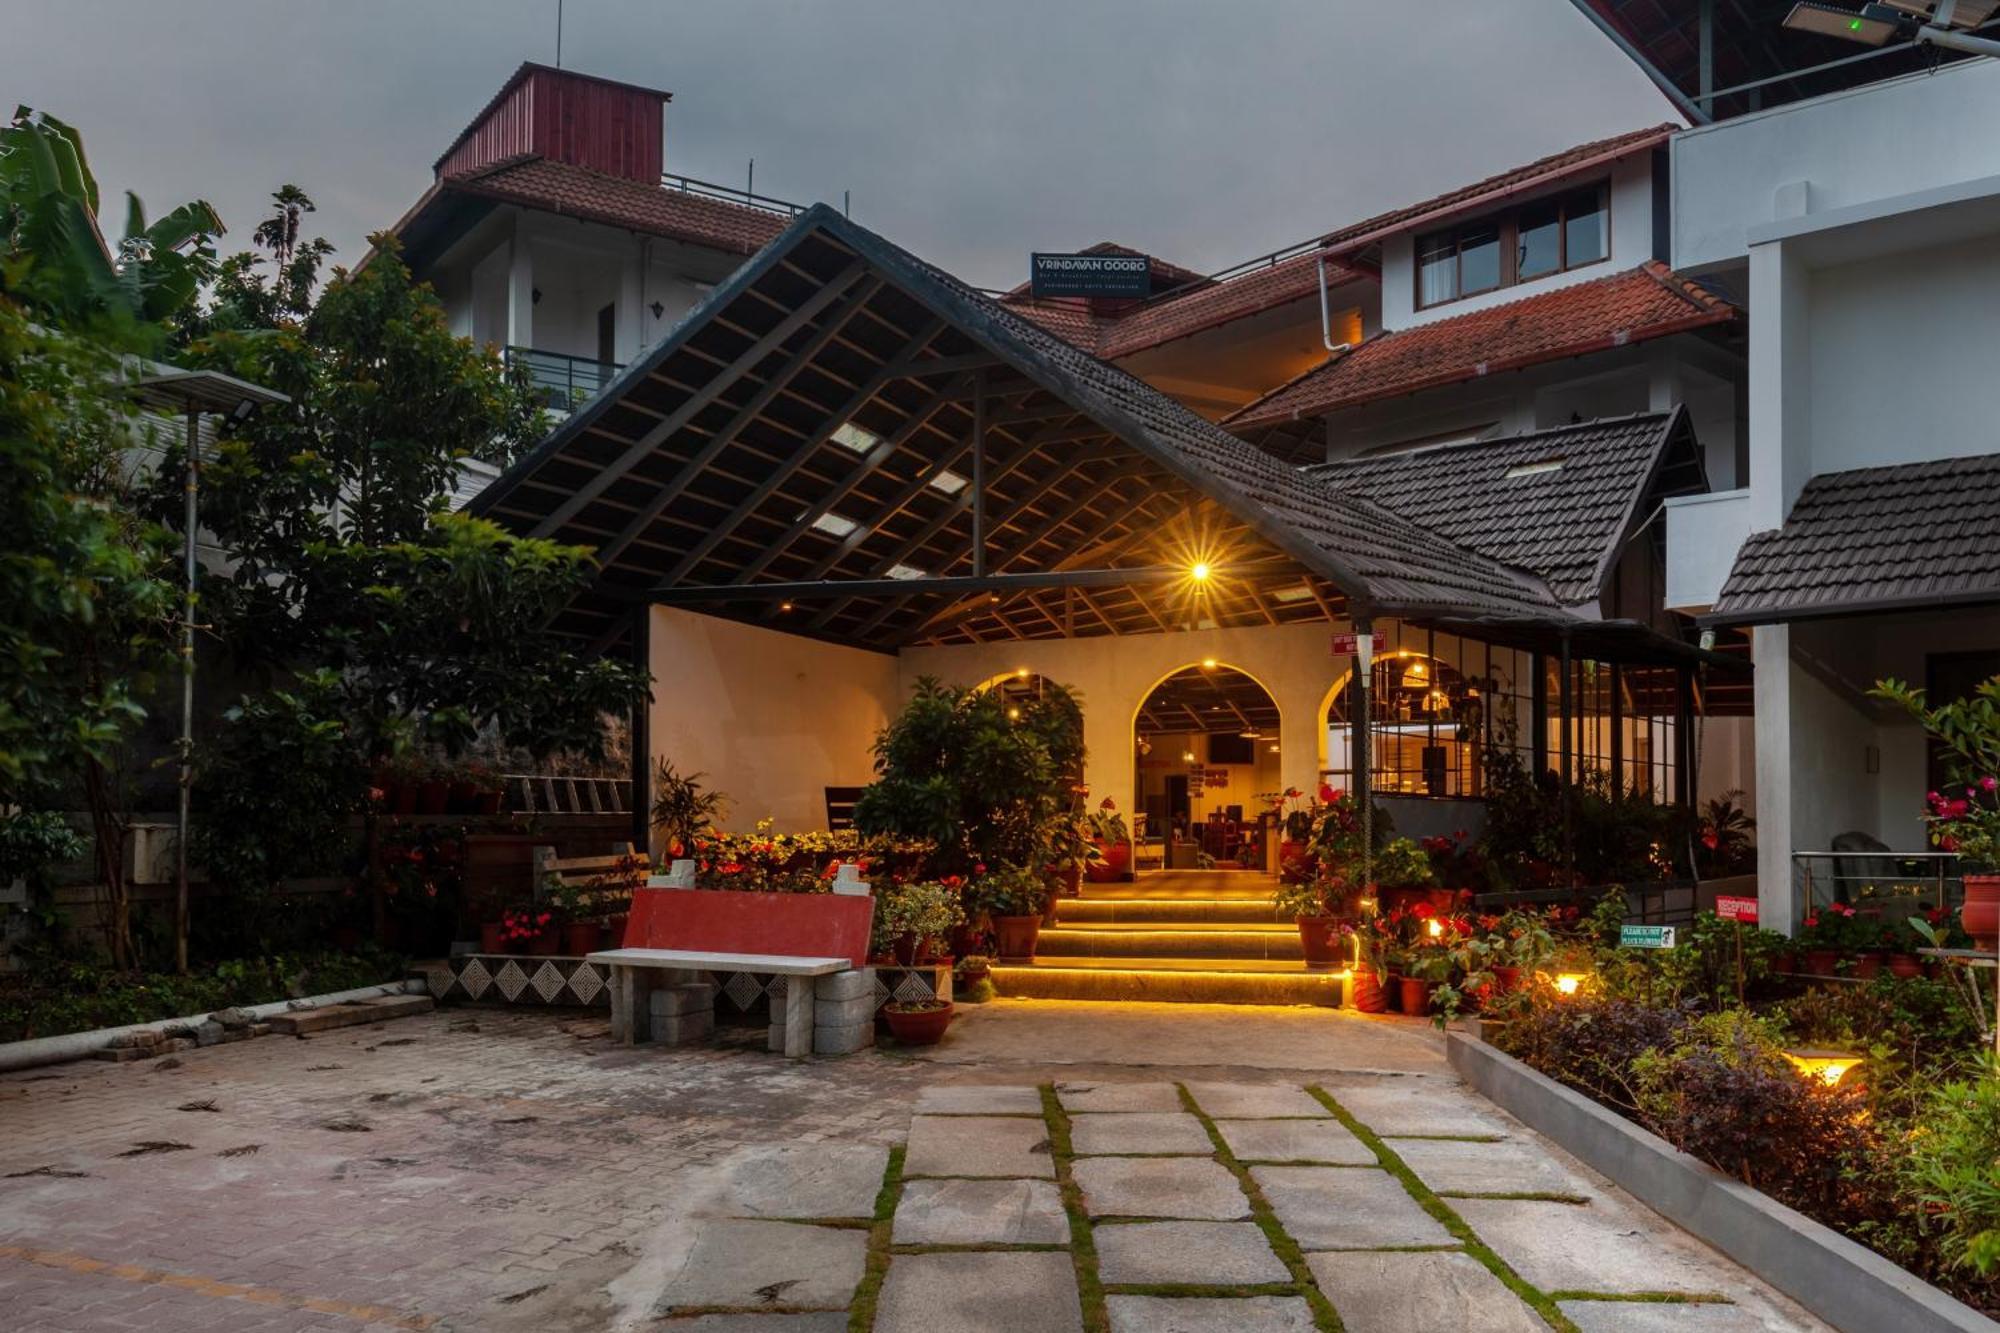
(1199, 571)
(858, 438)
(1208, 664)
(1873, 26)
(949, 482)
(1020, 673)
(833, 525)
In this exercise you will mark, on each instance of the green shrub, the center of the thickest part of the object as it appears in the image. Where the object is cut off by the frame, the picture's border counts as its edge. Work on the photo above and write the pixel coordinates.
(1953, 1167)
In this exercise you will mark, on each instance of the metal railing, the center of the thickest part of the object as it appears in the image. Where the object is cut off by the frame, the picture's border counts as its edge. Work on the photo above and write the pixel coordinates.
(551, 794)
(729, 195)
(563, 382)
(1866, 878)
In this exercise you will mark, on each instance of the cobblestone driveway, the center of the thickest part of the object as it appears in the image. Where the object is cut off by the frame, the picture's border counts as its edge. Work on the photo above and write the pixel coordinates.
(485, 1169)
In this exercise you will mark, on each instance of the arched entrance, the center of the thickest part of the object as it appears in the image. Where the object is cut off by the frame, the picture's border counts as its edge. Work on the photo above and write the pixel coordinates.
(1207, 745)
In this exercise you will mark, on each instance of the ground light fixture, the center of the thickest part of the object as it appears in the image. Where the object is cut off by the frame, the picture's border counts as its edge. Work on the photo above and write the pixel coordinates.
(1826, 1068)
(1568, 983)
(1940, 23)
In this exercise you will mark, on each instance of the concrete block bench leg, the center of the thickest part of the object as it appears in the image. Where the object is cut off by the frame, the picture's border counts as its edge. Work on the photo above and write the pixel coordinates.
(844, 1012)
(794, 1033)
(682, 1012)
(631, 1012)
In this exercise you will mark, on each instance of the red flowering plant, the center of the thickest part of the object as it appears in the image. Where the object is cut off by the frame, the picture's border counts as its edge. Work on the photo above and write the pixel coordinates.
(523, 925)
(1967, 732)
(1838, 927)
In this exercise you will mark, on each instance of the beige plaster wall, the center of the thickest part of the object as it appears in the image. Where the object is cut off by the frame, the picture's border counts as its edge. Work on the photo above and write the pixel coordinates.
(772, 719)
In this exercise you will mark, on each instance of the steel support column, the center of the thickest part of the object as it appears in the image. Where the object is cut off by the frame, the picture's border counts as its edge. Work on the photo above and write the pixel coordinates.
(641, 744)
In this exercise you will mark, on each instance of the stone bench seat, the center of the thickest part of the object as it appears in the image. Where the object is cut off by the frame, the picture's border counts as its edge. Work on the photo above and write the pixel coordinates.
(689, 1010)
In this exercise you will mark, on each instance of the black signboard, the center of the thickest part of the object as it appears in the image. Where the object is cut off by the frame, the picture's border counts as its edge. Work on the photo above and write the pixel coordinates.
(1129, 276)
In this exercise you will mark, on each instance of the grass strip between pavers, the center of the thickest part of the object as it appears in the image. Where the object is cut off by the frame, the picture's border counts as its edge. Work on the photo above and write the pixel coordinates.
(861, 1312)
(1082, 1247)
(1525, 1196)
(1325, 1317)
(1540, 1301)
(1646, 1297)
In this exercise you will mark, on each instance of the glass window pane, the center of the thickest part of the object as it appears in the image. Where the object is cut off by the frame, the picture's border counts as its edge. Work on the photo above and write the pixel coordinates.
(1437, 270)
(1478, 259)
(1584, 233)
(1539, 252)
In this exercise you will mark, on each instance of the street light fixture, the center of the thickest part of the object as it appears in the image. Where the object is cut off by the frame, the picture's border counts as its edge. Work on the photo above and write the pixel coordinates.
(191, 393)
(1940, 23)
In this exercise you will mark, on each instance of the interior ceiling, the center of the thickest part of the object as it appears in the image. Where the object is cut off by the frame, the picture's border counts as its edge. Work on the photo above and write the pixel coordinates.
(1208, 699)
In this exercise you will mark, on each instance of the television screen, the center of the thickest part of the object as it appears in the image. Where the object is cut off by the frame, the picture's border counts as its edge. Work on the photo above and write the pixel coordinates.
(1229, 748)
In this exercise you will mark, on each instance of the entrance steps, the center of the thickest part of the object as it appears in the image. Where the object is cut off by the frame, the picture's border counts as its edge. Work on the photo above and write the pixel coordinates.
(1199, 937)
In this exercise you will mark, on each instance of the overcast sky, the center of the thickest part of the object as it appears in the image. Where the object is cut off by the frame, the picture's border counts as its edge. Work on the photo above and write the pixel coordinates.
(970, 131)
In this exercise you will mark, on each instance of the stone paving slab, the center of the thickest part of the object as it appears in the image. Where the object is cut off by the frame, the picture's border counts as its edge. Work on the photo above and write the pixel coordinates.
(808, 1180)
(753, 1263)
(1201, 1314)
(828, 1321)
(1294, 1141)
(1001, 1292)
(1417, 1105)
(1248, 1101)
(1660, 1317)
(968, 1145)
(1346, 1208)
(1423, 1292)
(1185, 1187)
(1490, 1168)
(1602, 1246)
(980, 1212)
(979, 1099)
(1096, 1133)
(1216, 1254)
(1119, 1096)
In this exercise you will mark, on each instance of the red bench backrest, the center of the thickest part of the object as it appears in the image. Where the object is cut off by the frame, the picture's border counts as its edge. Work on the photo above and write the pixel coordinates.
(792, 925)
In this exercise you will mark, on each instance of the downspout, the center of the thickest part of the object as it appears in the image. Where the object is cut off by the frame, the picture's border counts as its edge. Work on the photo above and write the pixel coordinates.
(1325, 317)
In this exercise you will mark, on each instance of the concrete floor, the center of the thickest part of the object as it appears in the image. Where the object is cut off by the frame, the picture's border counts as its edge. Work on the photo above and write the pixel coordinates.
(512, 1169)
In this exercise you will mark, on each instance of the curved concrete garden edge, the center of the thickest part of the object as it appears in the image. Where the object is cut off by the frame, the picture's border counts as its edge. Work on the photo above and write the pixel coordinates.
(1846, 1284)
(69, 1046)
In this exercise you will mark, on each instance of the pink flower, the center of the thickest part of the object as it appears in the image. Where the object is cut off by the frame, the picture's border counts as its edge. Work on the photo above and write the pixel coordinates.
(1989, 783)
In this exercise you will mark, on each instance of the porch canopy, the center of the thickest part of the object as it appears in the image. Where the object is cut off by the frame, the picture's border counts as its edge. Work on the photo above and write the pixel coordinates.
(846, 443)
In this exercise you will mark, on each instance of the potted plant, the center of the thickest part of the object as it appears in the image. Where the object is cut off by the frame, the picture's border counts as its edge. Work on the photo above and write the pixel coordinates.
(1902, 942)
(525, 930)
(1014, 898)
(1322, 906)
(1114, 844)
(973, 968)
(1296, 817)
(571, 906)
(1826, 937)
(492, 937)
(1073, 850)
(1525, 944)
(683, 808)
(461, 789)
(918, 1022)
(909, 916)
(433, 790)
(488, 790)
(1968, 732)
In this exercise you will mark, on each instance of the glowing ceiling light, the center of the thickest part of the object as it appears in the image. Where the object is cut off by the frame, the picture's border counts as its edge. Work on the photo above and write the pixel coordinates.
(1208, 664)
(1199, 572)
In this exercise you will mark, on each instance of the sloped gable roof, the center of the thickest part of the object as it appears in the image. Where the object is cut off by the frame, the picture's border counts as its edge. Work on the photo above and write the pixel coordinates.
(1558, 502)
(558, 187)
(1873, 539)
(1650, 301)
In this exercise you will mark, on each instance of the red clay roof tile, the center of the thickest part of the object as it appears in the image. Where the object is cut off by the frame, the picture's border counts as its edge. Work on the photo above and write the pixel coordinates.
(558, 187)
(1650, 301)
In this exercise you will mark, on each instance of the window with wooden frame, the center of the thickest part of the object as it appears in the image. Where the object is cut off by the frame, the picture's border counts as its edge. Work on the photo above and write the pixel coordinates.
(1548, 236)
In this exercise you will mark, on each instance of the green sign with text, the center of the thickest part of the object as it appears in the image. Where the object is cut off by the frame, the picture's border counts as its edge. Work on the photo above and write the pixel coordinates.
(1646, 937)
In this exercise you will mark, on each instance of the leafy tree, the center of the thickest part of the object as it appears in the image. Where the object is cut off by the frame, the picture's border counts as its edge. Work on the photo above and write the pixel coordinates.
(85, 601)
(53, 256)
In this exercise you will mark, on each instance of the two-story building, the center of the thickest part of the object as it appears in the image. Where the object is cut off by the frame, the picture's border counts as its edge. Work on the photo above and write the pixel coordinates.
(1846, 198)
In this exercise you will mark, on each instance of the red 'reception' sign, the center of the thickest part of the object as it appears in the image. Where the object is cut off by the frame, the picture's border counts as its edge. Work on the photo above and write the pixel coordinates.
(1348, 645)
(1736, 909)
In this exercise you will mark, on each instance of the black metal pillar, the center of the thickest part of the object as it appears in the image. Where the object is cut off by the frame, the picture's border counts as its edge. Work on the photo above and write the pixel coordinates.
(1538, 720)
(1684, 750)
(1565, 693)
(1617, 732)
(1364, 784)
(642, 735)
(979, 475)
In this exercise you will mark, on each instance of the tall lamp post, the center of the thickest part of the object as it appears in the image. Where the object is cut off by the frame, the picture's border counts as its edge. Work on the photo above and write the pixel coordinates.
(191, 393)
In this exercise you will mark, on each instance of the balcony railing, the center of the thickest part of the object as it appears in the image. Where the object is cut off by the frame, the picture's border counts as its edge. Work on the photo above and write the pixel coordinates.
(746, 198)
(563, 382)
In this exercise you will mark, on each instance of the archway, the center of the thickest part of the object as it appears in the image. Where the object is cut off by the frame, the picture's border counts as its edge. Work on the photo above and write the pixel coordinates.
(1207, 744)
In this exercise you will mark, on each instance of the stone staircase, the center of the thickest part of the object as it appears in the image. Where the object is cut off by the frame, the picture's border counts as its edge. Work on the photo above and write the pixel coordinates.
(1192, 936)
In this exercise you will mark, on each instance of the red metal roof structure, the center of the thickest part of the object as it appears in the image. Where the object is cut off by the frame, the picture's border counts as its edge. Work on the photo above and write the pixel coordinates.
(1650, 301)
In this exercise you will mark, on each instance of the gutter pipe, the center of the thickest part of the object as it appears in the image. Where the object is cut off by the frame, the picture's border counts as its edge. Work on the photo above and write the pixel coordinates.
(1325, 319)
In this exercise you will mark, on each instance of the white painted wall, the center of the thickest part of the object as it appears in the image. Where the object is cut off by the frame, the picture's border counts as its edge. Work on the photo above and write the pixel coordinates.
(1631, 245)
(1703, 534)
(1870, 143)
(772, 719)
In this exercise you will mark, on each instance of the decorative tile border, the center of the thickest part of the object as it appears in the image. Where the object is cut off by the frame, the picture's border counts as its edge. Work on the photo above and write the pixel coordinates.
(569, 981)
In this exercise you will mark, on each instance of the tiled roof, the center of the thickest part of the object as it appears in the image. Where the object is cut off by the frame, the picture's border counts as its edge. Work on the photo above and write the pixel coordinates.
(1502, 498)
(558, 187)
(1497, 188)
(1177, 314)
(1915, 534)
(1650, 301)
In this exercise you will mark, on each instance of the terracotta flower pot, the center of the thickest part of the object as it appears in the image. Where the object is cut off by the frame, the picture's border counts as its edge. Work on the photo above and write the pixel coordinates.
(400, 798)
(491, 940)
(918, 1027)
(488, 802)
(1392, 993)
(582, 937)
(1821, 962)
(461, 798)
(1981, 913)
(1417, 996)
(1016, 937)
(547, 944)
(614, 928)
(1368, 996)
(1905, 965)
(1116, 861)
(1868, 964)
(433, 797)
(1506, 979)
(1322, 946)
